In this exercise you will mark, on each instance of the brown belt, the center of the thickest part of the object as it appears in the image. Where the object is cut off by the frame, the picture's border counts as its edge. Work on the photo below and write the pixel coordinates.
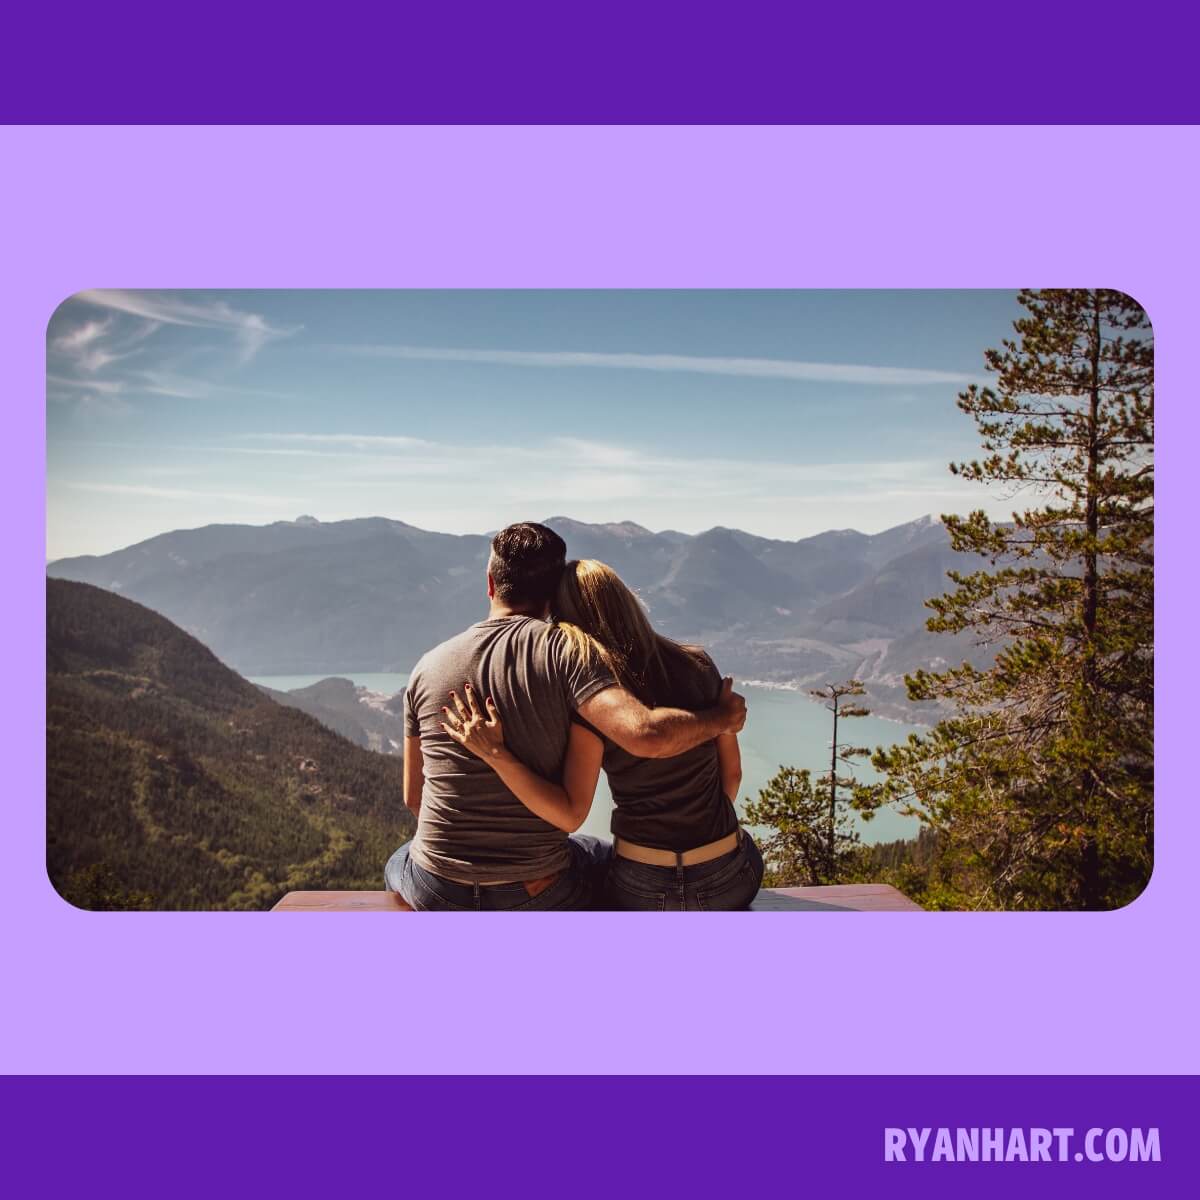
(669, 858)
(535, 887)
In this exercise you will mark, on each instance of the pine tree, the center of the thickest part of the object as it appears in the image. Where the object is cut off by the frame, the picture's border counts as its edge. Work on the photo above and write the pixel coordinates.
(1040, 779)
(833, 694)
(796, 850)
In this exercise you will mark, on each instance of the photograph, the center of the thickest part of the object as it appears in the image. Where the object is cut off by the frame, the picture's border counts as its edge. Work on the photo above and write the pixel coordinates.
(619, 600)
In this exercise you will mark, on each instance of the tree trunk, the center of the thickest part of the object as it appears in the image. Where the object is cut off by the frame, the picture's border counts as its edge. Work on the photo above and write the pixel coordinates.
(833, 794)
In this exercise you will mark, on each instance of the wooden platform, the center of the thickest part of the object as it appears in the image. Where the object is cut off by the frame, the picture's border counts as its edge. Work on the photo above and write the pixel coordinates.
(841, 897)
(836, 897)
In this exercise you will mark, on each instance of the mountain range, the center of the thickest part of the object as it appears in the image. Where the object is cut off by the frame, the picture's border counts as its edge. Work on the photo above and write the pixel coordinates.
(173, 783)
(313, 597)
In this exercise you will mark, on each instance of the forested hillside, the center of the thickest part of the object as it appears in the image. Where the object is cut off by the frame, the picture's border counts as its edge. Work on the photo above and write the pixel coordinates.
(172, 783)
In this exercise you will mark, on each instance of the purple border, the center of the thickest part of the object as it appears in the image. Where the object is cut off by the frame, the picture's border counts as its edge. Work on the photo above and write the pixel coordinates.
(763, 61)
(594, 992)
(728, 1137)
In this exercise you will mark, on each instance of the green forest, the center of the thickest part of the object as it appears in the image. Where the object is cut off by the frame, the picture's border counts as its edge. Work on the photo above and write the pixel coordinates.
(172, 783)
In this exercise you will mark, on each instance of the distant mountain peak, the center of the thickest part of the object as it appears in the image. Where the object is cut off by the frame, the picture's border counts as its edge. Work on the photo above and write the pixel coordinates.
(917, 526)
(625, 529)
(306, 520)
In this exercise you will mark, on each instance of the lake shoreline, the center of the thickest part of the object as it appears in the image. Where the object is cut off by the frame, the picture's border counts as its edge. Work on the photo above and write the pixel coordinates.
(792, 685)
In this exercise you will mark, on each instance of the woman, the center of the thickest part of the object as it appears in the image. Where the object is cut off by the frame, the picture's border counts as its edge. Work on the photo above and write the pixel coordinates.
(677, 842)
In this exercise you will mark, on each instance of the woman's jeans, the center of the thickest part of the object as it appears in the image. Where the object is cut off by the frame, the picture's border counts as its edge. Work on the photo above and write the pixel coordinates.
(729, 882)
(579, 886)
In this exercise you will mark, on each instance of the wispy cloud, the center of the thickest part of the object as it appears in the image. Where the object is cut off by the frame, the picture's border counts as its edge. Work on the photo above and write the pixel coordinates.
(155, 383)
(166, 493)
(250, 330)
(751, 368)
(91, 399)
(81, 336)
(359, 441)
(91, 346)
(82, 349)
(78, 341)
(184, 387)
(570, 468)
(108, 387)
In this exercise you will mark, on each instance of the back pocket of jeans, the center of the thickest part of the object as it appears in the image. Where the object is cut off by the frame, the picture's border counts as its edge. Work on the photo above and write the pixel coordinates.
(425, 897)
(639, 899)
(734, 890)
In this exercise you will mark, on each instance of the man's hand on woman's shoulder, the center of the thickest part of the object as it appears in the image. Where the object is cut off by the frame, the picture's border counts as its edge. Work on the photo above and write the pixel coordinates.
(732, 706)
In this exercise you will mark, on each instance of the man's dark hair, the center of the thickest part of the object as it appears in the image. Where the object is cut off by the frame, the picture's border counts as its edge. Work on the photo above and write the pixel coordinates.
(526, 565)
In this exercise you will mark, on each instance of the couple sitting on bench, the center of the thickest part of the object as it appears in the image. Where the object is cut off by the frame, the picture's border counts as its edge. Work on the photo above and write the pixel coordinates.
(508, 724)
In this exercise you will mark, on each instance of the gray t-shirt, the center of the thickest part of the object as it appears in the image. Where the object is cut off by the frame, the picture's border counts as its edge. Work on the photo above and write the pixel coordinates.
(471, 826)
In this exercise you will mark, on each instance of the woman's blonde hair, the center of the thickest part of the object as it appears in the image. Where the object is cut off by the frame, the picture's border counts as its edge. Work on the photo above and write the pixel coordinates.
(602, 618)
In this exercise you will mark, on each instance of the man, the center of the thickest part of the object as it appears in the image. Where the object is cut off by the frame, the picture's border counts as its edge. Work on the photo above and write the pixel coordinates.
(477, 846)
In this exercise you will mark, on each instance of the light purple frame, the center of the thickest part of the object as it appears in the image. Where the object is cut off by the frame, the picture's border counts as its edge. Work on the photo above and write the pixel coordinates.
(601, 207)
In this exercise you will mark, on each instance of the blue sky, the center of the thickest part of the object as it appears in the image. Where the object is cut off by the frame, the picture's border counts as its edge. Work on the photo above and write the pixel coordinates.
(784, 413)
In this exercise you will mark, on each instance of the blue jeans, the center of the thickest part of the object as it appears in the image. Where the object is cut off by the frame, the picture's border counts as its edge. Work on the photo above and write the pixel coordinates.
(580, 886)
(729, 882)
